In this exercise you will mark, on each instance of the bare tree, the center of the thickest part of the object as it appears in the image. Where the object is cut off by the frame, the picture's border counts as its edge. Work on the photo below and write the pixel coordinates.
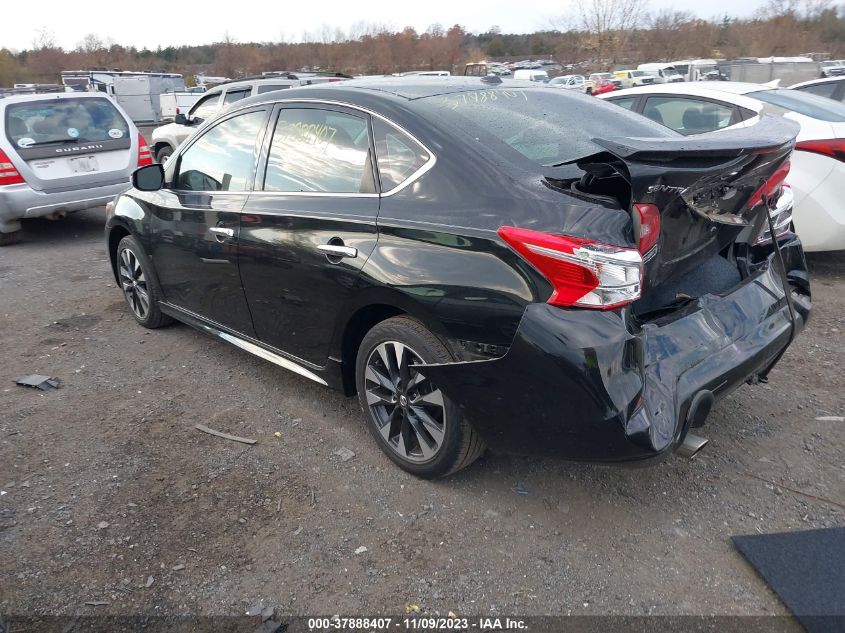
(610, 23)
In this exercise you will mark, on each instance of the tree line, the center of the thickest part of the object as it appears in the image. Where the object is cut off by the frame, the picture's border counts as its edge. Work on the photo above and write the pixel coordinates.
(598, 33)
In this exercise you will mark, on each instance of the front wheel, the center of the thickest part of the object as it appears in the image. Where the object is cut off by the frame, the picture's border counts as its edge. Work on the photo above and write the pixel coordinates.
(140, 290)
(164, 154)
(413, 421)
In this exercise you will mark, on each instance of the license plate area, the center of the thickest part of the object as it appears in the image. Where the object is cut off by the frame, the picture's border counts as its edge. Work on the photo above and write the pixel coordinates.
(83, 164)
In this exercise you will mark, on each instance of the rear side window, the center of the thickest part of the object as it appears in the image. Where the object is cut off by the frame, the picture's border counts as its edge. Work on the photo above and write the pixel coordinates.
(64, 121)
(807, 104)
(399, 156)
(822, 90)
(319, 151)
(688, 116)
(235, 95)
(222, 159)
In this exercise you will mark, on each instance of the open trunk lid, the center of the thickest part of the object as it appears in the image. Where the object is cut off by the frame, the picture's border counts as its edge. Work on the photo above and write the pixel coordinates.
(702, 186)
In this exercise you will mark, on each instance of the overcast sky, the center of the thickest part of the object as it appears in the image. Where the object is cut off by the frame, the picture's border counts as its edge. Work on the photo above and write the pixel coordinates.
(176, 22)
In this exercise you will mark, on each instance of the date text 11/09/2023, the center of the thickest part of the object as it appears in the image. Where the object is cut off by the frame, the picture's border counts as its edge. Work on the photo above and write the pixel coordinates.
(337, 623)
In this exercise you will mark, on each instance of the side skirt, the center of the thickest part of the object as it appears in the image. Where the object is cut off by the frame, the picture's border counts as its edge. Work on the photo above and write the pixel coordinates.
(196, 321)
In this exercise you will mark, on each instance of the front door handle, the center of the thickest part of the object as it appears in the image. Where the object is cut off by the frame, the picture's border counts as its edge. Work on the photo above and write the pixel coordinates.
(220, 230)
(337, 250)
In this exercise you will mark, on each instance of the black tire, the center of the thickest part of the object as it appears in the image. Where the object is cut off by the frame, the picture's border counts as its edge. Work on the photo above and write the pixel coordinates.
(457, 443)
(163, 154)
(7, 239)
(135, 275)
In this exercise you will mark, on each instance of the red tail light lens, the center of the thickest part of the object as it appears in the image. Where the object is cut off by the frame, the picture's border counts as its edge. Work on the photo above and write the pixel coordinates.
(835, 147)
(771, 186)
(649, 225)
(583, 273)
(145, 156)
(9, 175)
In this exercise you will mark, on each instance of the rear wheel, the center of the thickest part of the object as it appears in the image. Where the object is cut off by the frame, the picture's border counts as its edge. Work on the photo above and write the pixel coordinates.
(164, 154)
(140, 290)
(414, 422)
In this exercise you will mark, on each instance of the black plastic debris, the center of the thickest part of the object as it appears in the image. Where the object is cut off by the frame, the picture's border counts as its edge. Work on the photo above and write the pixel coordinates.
(807, 570)
(36, 381)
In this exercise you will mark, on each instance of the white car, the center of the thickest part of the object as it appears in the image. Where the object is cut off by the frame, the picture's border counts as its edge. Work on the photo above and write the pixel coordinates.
(573, 82)
(817, 175)
(532, 75)
(663, 73)
(833, 68)
(633, 78)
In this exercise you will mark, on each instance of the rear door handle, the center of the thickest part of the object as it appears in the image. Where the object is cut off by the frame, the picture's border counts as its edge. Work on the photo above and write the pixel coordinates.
(337, 250)
(222, 231)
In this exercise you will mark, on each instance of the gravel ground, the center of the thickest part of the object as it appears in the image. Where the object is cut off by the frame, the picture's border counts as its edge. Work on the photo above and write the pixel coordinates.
(110, 494)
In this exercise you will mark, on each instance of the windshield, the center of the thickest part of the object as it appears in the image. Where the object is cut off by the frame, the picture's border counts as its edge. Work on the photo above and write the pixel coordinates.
(803, 103)
(640, 73)
(546, 126)
(75, 120)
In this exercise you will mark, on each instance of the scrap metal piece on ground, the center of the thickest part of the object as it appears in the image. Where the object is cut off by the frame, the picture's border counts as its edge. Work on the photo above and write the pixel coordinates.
(37, 381)
(344, 453)
(225, 436)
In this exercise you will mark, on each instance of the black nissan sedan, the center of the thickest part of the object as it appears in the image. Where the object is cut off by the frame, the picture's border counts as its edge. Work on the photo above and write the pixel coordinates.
(486, 264)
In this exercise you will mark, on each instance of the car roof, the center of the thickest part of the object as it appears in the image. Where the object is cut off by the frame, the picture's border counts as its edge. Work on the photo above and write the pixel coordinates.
(823, 80)
(403, 88)
(249, 82)
(697, 89)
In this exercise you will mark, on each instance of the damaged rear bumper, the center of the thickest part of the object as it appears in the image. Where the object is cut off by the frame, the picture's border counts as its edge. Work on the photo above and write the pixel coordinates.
(591, 385)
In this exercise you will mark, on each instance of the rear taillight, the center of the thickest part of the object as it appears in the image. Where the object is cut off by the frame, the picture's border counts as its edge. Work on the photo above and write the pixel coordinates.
(834, 147)
(9, 174)
(771, 186)
(781, 213)
(648, 223)
(145, 156)
(583, 273)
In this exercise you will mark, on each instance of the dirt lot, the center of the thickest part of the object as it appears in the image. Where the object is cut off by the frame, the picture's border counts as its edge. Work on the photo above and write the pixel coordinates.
(106, 483)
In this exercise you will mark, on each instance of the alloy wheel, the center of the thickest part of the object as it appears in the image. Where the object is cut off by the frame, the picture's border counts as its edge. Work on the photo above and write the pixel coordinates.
(134, 283)
(408, 410)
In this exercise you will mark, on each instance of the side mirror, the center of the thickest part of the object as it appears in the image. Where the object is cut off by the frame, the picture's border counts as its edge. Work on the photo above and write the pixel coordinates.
(180, 119)
(148, 178)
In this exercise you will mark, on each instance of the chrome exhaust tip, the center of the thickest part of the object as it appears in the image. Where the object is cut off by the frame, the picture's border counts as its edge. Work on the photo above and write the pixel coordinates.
(691, 445)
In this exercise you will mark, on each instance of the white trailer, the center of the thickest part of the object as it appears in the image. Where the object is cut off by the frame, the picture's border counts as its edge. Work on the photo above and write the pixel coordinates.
(139, 93)
(173, 103)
